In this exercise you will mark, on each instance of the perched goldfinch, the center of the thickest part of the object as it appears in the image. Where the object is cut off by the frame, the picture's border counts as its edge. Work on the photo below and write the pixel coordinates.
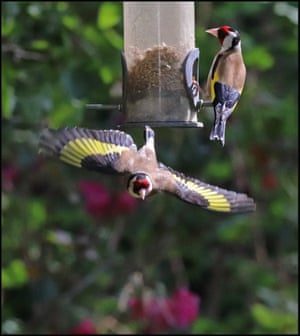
(113, 151)
(226, 78)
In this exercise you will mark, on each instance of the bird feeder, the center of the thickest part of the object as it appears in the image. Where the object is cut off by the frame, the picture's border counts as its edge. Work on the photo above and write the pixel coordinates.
(160, 65)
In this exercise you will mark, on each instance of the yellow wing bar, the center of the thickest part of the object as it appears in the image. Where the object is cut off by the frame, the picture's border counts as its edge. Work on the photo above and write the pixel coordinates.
(208, 196)
(98, 150)
(216, 200)
(77, 150)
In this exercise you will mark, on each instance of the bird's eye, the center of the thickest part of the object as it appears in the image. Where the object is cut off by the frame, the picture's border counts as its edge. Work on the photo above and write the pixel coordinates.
(222, 34)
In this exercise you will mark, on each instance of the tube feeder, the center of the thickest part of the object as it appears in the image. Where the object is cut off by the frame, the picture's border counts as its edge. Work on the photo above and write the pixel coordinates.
(160, 65)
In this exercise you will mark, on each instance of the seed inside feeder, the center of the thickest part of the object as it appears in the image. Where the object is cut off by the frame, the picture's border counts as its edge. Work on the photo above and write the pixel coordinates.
(155, 87)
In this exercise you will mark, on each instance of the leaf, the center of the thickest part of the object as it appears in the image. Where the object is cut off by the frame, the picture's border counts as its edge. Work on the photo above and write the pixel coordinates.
(7, 26)
(259, 57)
(8, 100)
(108, 15)
(15, 274)
(71, 22)
(40, 44)
(219, 170)
(37, 214)
(205, 325)
(106, 74)
(114, 38)
(69, 113)
(275, 320)
(92, 34)
(236, 229)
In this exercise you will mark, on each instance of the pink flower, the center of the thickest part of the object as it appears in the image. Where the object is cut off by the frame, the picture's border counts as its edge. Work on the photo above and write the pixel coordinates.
(152, 312)
(85, 327)
(136, 306)
(184, 307)
(9, 176)
(97, 198)
(162, 314)
(125, 203)
(100, 203)
(269, 181)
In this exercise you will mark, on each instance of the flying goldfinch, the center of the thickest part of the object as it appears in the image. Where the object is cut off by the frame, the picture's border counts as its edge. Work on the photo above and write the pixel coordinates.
(114, 151)
(226, 78)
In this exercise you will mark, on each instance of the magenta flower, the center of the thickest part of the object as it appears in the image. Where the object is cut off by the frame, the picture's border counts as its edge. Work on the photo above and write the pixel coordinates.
(269, 181)
(125, 203)
(100, 203)
(153, 313)
(184, 307)
(85, 327)
(9, 176)
(97, 198)
(157, 314)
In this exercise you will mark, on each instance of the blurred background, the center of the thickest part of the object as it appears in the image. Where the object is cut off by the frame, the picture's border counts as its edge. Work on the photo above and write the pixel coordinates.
(81, 256)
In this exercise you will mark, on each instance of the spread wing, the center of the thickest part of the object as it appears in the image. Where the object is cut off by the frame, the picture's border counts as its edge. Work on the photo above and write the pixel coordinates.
(98, 150)
(208, 196)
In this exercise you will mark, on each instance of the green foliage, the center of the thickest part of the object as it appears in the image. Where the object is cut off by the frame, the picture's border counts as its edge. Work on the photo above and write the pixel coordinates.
(109, 14)
(271, 320)
(259, 58)
(61, 265)
(14, 274)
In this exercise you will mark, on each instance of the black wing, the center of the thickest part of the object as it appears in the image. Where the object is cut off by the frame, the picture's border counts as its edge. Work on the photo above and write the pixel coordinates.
(208, 196)
(225, 95)
(98, 150)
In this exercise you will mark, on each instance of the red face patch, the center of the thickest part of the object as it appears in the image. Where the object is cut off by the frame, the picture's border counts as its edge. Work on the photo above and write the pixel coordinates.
(223, 32)
(226, 29)
(140, 184)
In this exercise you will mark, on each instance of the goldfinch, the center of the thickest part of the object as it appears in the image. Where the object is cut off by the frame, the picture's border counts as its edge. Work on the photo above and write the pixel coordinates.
(226, 78)
(114, 151)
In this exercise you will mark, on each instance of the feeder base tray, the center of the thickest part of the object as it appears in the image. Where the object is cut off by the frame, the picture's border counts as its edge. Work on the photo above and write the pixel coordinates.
(162, 124)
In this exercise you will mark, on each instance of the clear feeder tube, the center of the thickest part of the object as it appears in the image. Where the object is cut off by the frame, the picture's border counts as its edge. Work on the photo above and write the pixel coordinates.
(157, 38)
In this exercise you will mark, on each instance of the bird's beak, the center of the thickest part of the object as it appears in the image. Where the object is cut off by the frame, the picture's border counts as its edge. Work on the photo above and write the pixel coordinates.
(212, 31)
(142, 193)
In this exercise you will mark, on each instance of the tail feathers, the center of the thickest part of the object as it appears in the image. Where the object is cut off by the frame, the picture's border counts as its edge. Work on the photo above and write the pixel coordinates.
(222, 113)
(149, 136)
(218, 131)
(149, 133)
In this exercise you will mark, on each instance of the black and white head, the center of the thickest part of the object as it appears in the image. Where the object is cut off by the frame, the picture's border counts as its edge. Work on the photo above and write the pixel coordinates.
(139, 185)
(228, 37)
